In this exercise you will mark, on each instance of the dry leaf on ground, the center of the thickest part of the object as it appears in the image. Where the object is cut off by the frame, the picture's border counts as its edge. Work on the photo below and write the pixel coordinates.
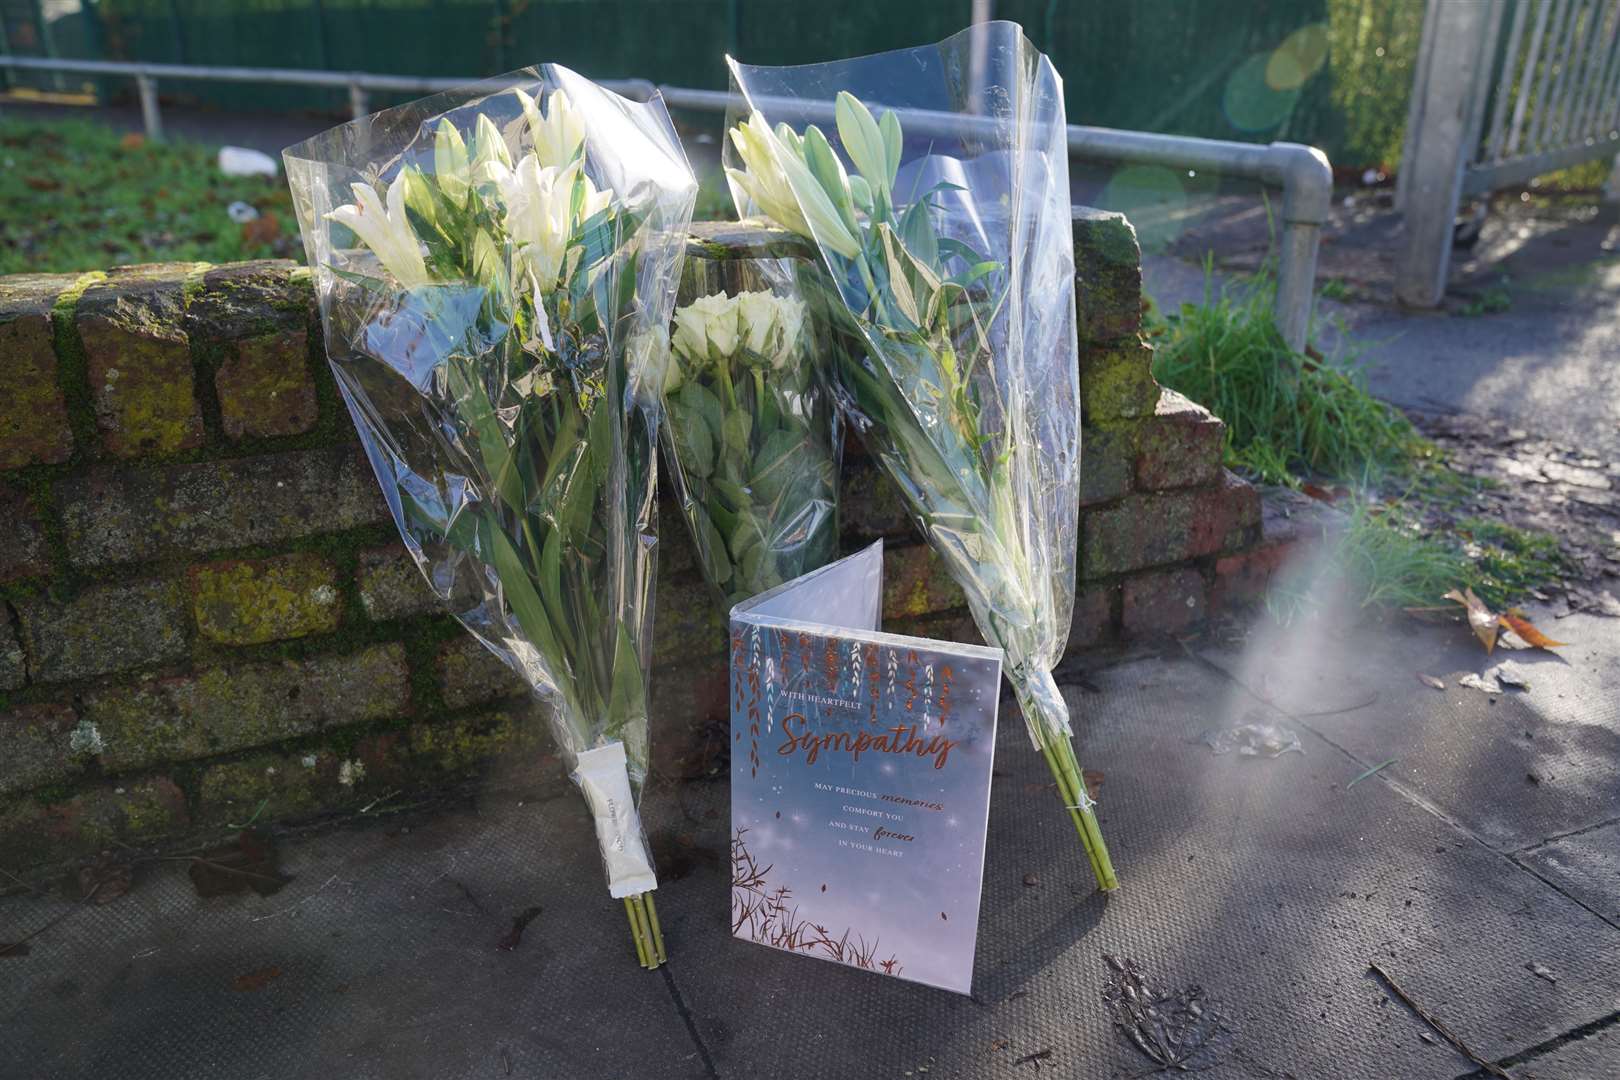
(1430, 680)
(1475, 682)
(1515, 620)
(1481, 619)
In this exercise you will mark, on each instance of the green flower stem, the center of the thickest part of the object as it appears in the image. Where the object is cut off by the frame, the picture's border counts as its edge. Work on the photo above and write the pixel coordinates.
(1059, 754)
(645, 933)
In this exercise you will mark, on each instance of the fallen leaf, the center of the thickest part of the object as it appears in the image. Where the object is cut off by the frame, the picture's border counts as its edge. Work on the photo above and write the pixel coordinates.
(1481, 619)
(256, 980)
(250, 863)
(1474, 682)
(101, 882)
(133, 140)
(1515, 620)
(1541, 971)
(1031, 880)
(1430, 680)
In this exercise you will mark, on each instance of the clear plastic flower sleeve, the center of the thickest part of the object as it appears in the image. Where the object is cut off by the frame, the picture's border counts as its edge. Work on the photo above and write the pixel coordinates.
(934, 182)
(750, 431)
(496, 268)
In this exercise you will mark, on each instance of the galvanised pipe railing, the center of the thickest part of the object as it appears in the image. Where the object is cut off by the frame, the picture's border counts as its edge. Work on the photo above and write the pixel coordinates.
(1301, 172)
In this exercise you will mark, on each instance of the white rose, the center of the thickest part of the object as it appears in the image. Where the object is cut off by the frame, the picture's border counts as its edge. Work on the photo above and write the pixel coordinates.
(709, 322)
(790, 316)
(757, 317)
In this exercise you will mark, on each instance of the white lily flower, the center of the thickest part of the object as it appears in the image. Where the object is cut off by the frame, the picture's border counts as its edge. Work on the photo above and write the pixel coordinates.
(490, 147)
(538, 201)
(450, 165)
(558, 133)
(386, 232)
(784, 188)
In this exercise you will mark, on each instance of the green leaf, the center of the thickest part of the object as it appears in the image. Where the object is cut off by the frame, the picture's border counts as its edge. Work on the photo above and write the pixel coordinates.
(525, 603)
(917, 233)
(736, 497)
(705, 404)
(627, 700)
(694, 445)
(711, 546)
(784, 453)
(734, 432)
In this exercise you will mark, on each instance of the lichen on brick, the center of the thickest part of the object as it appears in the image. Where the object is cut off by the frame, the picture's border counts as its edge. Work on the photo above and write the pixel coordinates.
(248, 602)
(265, 389)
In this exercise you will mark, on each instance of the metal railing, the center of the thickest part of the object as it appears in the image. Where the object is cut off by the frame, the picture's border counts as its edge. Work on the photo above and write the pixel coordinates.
(1501, 97)
(1301, 172)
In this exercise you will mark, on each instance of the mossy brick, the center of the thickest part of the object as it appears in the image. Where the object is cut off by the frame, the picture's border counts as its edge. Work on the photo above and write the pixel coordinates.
(224, 709)
(1107, 460)
(1116, 381)
(1163, 603)
(132, 326)
(249, 299)
(23, 550)
(391, 587)
(955, 626)
(13, 666)
(1180, 445)
(469, 674)
(274, 787)
(870, 504)
(724, 241)
(34, 428)
(102, 629)
(113, 515)
(251, 601)
(39, 746)
(1094, 618)
(265, 388)
(1107, 275)
(1293, 527)
(35, 834)
(916, 583)
(505, 739)
(687, 621)
(1158, 528)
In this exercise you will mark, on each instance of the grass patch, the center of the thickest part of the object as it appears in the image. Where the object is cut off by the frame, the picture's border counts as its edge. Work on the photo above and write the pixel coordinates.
(1492, 301)
(1288, 415)
(81, 196)
(1300, 419)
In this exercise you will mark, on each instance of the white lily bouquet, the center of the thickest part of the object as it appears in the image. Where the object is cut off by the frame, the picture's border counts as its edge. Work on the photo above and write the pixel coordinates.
(947, 255)
(496, 268)
(752, 436)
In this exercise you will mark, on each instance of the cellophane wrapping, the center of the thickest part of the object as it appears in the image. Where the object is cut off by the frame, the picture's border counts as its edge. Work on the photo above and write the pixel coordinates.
(934, 182)
(496, 268)
(751, 432)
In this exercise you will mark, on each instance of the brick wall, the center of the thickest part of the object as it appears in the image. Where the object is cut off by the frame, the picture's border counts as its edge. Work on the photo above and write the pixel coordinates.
(207, 615)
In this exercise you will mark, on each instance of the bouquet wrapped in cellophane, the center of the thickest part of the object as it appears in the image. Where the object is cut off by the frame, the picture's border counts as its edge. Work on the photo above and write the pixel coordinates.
(496, 268)
(751, 434)
(935, 183)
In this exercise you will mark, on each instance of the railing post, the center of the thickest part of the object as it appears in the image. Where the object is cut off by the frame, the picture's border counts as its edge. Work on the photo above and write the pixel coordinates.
(1307, 183)
(146, 87)
(1448, 134)
(359, 101)
(1611, 189)
(1414, 106)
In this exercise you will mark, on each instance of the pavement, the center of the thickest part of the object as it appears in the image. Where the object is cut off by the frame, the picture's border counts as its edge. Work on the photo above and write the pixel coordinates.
(1429, 888)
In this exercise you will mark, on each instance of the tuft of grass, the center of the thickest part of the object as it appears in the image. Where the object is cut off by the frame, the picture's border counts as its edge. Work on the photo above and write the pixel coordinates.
(1492, 301)
(1287, 414)
(80, 196)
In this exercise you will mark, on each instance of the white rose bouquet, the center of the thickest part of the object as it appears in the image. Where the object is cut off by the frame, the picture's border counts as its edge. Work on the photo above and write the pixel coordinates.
(495, 269)
(946, 253)
(753, 439)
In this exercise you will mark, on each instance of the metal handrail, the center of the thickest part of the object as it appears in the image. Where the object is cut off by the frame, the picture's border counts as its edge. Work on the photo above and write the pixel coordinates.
(1302, 172)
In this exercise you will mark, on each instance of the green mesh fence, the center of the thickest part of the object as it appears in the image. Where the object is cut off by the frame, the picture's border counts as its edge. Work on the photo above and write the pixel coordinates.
(1330, 72)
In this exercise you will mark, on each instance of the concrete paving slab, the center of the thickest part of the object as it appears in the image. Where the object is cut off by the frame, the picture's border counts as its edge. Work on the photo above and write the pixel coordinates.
(1514, 768)
(1596, 1057)
(1265, 881)
(1586, 865)
(379, 960)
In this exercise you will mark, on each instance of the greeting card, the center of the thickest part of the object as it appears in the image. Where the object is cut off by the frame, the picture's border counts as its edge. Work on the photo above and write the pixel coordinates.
(860, 779)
